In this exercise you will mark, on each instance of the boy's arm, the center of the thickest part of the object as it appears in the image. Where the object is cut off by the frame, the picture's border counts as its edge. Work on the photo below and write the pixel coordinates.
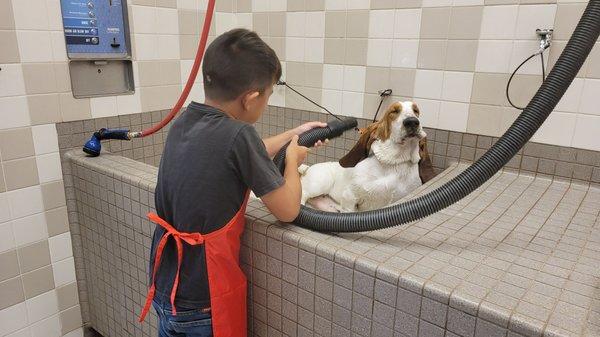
(284, 202)
(274, 144)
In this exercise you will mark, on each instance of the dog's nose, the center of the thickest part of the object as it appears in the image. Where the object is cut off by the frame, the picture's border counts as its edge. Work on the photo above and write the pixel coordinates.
(410, 122)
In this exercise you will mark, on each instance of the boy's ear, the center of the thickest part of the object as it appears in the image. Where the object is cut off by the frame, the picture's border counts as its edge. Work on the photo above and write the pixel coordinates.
(249, 99)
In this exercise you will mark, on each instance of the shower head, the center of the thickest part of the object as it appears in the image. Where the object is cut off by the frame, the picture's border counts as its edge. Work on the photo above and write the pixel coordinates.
(94, 145)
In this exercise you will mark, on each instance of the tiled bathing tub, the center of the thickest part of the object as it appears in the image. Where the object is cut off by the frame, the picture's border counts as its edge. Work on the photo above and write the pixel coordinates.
(518, 257)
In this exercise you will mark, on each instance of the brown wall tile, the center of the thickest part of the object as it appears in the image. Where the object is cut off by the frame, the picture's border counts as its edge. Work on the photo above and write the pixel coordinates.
(70, 319)
(11, 292)
(465, 22)
(67, 296)
(72, 109)
(16, 143)
(44, 109)
(7, 18)
(9, 265)
(461, 55)
(335, 24)
(57, 221)
(39, 78)
(357, 23)
(9, 53)
(53, 195)
(335, 51)
(489, 88)
(34, 256)
(277, 24)
(38, 281)
(435, 22)
(402, 81)
(432, 54)
(356, 52)
(20, 173)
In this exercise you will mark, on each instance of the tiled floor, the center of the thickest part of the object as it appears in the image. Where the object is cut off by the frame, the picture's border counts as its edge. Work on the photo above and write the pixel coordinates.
(518, 257)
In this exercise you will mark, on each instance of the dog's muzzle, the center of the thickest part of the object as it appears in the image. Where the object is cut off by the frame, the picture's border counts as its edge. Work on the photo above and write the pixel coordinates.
(411, 125)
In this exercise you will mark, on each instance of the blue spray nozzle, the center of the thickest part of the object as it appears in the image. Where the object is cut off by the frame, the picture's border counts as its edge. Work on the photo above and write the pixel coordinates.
(94, 145)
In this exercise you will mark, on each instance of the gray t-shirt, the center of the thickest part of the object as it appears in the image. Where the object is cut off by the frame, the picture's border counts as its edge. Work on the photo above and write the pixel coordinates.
(209, 162)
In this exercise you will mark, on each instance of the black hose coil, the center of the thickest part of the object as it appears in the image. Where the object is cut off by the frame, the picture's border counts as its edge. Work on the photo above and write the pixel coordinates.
(524, 127)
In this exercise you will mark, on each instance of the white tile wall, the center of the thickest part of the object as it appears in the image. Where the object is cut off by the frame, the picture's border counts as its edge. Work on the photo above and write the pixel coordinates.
(381, 24)
(29, 229)
(354, 78)
(25, 201)
(499, 22)
(49, 168)
(60, 247)
(589, 97)
(379, 52)
(404, 53)
(407, 24)
(14, 112)
(493, 56)
(49, 327)
(13, 318)
(453, 116)
(7, 238)
(64, 272)
(30, 14)
(457, 86)
(11, 81)
(532, 17)
(42, 306)
(429, 83)
(556, 129)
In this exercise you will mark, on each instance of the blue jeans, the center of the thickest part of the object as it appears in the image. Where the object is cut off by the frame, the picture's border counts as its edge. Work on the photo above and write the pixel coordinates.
(187, 323)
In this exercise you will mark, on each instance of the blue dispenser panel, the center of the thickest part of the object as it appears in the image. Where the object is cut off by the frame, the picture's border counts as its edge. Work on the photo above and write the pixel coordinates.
(95, 28)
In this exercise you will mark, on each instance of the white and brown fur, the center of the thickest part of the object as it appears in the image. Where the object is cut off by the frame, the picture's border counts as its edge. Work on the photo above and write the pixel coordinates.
(381, 169)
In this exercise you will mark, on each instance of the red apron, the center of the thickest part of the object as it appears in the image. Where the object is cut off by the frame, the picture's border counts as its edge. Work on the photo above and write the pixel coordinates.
(226, 281)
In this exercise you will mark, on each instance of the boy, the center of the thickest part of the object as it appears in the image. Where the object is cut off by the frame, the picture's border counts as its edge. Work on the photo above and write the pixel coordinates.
(212, 158)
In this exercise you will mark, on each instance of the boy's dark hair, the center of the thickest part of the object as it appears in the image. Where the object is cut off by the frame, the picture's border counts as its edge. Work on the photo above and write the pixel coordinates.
(236, 62)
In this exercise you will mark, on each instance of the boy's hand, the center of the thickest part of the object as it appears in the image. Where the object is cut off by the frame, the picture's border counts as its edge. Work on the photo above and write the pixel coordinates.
(309, 126)
(295, 154)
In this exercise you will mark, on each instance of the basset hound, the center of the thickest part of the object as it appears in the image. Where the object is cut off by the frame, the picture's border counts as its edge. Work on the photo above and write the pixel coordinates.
(389, 161)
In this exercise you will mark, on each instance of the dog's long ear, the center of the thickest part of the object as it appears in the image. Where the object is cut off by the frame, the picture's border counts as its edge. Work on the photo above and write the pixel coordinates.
(426, 171)
(360, 150)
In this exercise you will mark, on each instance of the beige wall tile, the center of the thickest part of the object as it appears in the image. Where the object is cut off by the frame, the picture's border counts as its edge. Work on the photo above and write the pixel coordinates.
(166, 3)
(9, 265)
(9, 53)
(295, 73)
(11, 292)
(2, 182)
(484, 119)
(313, 73)
(225, 6)
(188, 45)
(53, 195)
(72, 109)
(296, 6)
(383, 4)
(70, 319)
(432, 54)
(435, 22)
(67, 296)
(314, 5)
(377, 78)
(408, 3)
(567, 16)
(39, 78)
(20, 173)
(7, 18)
(63, 80)
(44, 109)
(34, 256)
(465, 22)
(277, 24)
(356, 51)
(335, 51)
(57, 221)
(489, 88)
(522, 89)
(402, 81)
(357, 23)
(260, 23)
(501, 2)
(461, 55)
(335, 24)
(278, 45)
(189, 21)
(243, 6)
(152, 73)
(159, 97)
(16, 143)
(38, 281)
(593, 60)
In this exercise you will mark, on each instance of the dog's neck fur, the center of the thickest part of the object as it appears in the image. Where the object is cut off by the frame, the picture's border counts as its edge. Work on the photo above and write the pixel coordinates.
(392, 153)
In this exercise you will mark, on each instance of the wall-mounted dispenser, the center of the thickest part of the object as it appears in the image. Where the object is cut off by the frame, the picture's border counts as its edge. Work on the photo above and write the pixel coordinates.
(98, 46)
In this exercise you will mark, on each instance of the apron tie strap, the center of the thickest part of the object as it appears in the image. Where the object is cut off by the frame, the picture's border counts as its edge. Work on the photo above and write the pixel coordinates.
(192, 239)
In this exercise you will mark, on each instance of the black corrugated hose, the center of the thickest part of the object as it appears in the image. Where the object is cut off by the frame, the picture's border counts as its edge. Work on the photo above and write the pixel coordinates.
(541, 105)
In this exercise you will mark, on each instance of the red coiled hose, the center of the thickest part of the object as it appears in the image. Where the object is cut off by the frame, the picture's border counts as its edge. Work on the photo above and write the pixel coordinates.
(193, 73)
